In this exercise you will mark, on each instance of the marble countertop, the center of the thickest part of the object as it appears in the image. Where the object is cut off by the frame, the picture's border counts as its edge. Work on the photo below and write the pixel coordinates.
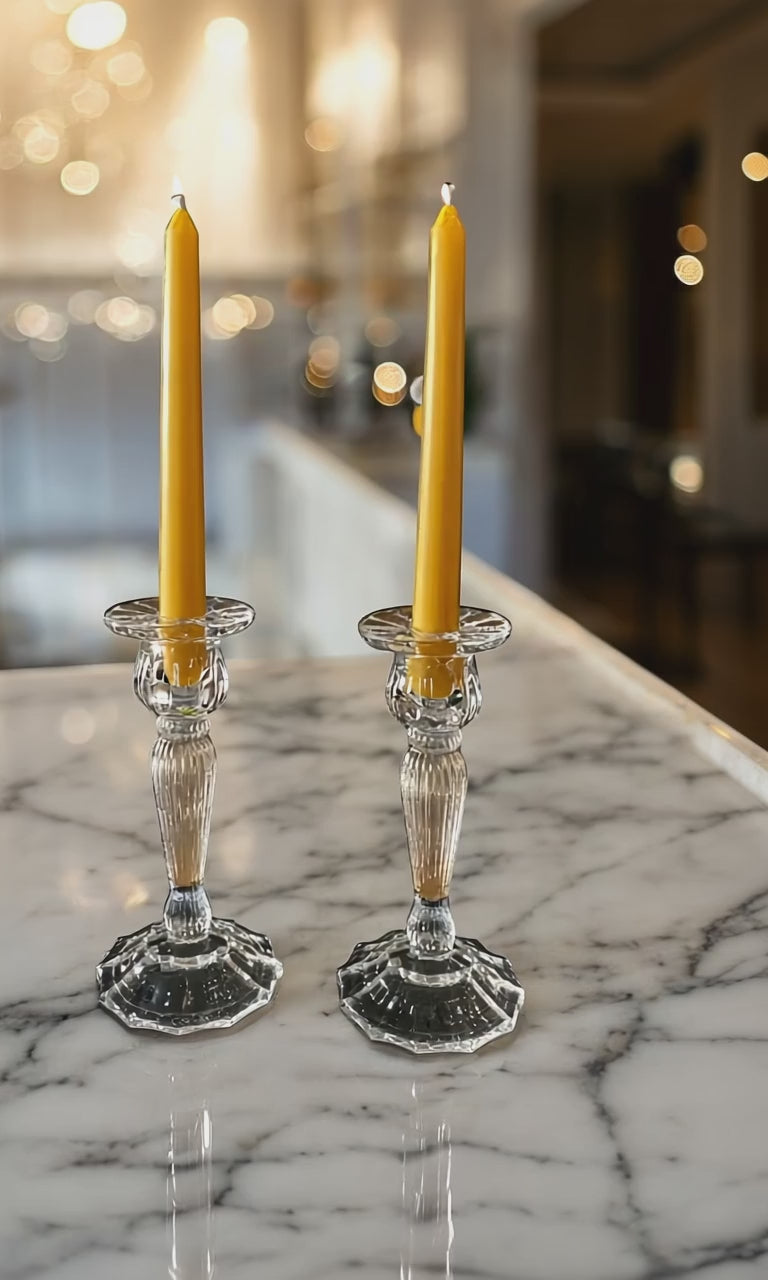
(619, 1134)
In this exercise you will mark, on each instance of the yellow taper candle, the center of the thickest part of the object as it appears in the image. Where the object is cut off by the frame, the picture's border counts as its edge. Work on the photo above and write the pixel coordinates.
(182, 502)
(438, 534)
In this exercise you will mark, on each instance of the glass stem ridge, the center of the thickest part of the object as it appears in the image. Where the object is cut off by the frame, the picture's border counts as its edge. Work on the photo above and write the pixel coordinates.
(433, 787)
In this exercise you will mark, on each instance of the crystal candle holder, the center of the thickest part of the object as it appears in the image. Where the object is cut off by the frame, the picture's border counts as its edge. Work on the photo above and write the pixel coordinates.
(190, 971)
(422, 988)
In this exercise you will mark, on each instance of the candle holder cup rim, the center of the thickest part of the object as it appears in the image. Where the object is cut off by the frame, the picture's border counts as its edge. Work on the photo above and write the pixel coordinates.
(391, 630)
(141, 620)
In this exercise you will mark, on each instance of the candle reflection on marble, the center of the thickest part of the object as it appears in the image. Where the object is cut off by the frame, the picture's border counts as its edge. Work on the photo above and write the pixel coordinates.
(428, 1232)
(189, 1189)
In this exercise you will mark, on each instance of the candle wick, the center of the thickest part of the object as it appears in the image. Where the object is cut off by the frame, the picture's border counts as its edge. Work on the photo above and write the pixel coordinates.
(446, 191)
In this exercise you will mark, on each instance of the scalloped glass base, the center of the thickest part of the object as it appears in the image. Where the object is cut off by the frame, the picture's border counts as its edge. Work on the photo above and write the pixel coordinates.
(148, 986)
(453, 1003)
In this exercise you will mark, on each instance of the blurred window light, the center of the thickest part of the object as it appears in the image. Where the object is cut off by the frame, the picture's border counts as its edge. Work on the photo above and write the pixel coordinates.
(382, 331)
(83, 304)
(417, 389)
(96, 25)
(41, 143)
(686, 473)
(11, 153)
(755, 166)
(324, 134)
(80, 177)
(688, 269)
(126, 68)
(51, 58)
(31, 319)
(90, 99)
(226, 36)
(692, 238)
(389, 383)
(264, 313)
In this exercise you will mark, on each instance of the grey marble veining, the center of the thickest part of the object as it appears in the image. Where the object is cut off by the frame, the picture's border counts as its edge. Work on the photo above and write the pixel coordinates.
(619, 1135)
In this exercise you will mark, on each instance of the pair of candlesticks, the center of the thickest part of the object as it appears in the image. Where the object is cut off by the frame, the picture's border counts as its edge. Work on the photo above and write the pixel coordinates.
(420, 988)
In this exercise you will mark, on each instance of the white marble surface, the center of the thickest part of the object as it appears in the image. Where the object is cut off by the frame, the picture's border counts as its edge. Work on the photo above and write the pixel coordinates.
(619, 1134)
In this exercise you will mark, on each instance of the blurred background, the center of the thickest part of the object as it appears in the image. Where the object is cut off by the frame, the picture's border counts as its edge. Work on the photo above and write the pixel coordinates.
(610, 161)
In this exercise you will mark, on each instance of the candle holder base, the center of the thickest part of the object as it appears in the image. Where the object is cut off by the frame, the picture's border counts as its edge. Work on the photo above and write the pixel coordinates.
(151, 984)
(452, 1003)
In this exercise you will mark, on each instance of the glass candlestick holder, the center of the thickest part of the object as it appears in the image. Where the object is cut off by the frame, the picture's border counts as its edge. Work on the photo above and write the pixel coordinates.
(422, 988)
(190, 971)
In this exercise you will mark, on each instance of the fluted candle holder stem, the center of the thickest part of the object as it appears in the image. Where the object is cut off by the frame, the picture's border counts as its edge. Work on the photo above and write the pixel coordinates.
(190, 971)
(422, 988)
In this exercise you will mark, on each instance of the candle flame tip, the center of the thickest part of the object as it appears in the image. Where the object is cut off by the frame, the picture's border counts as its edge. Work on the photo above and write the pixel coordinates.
(446, 191)
(177, 193)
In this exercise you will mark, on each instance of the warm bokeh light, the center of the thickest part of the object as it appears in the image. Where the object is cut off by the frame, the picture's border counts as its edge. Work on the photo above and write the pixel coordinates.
(55, 329)
(264, 313)
(247, 308)
(90, 99)
(229, 315)
(80, 177)
(225, 36)
(126, 68)
(417, 389)
(139, 91)
(755, 166)
(688, 269)
(61, 6)
(31, 319)
(51, 58)
(382, 331)
(41, 143)
(122, 312)
(324, 357)
(82, 305)
(692, 238)
(324, 134)
(686, 473)
(96, 25)
(389, 383)
(138, 251)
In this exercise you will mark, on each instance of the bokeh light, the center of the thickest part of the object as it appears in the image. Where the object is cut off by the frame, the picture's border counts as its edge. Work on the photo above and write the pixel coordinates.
(692, 238)
(41, 143)
(90, 99)
(417, 389)
(264, 313)
(382, 331)
(688, 269)
(389, 383)
(55, 329)
(82, 305)
(686, 473)
(31, 319)
(138, 251)
(96, 25)
(126, 68)
(47, 352)
(51, 58)
(80, 177)
(755, 166)
(61, 6)
(323, 360)
(229, 315)
(225, 36)
(324, 134)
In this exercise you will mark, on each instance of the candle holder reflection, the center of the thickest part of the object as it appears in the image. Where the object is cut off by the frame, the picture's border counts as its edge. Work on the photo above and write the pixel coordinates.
(422, 988)
(189, 972)
(189, 1191)
(427, 1246)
